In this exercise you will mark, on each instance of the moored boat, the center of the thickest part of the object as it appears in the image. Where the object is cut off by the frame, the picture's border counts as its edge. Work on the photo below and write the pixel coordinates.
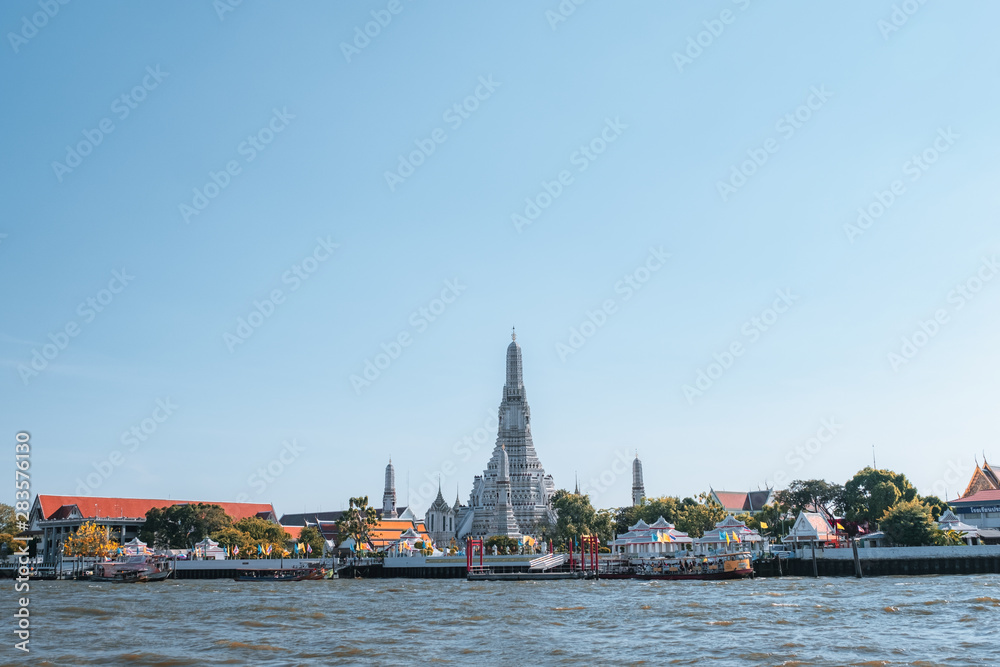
(135, 569)
(722, 566)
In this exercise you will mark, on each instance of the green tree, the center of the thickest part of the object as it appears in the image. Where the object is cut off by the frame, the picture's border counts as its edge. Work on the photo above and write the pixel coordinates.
(689, 515)
(357, 522)
(8, 520)
(871, 492)
(91, 539)
(909, 523)
(183, 526)
(811, 494)
(697, 516)
(577, 517)
(310, 535)
(938, 506)
(231, 537)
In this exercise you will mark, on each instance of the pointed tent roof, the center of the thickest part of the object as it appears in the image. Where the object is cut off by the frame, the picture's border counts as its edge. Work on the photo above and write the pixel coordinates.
(640, 525)
(983, 479)
(439, 504)
(810, 527)
(949, 521)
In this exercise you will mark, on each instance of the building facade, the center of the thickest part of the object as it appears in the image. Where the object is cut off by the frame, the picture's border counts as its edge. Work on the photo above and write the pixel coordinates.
(54, 518)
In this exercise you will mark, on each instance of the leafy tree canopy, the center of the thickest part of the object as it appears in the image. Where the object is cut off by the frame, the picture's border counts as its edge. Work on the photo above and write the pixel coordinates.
(8, 522)
(183, 526)
(91, 539)
(577, 517)
(357, 522)
(310, 535)
(689, 515)
(807, 494)
(871, 492)
(909, 523)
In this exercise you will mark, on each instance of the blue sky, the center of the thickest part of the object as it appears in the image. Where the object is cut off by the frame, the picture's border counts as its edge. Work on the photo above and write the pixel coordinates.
(832, 102)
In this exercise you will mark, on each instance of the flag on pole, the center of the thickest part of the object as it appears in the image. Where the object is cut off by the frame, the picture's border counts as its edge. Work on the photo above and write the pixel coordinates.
(236, 550)
(309, 548)
(763, 524)
(270, 548)
(727, 538)
(839, 527)
(260, 550)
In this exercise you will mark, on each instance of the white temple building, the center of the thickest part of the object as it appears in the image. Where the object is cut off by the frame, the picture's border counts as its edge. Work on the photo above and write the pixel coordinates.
(513, 496)
(730, 534)
(949, 521)
(810, 528)
(660, 538)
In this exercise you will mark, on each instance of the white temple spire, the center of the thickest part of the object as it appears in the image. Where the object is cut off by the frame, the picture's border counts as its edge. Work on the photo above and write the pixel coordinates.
(389, 495)
(638, 491)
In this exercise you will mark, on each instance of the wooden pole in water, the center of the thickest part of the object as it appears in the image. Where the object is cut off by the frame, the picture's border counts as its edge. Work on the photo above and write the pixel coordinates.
(857, 559)
(815, 566)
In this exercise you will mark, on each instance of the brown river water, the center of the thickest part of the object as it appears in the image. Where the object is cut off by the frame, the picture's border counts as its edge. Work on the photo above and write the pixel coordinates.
(947, 620)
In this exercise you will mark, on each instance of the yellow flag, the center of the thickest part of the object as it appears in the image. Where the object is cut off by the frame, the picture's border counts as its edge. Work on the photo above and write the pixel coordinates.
(839, 527)
(763, 524)
(727, 538)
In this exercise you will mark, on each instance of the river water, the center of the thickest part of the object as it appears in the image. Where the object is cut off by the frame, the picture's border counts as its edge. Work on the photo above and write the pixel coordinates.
(831, 621)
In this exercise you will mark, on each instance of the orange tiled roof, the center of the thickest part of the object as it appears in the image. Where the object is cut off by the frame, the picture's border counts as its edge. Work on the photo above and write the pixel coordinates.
(294, 531)
(136, 508)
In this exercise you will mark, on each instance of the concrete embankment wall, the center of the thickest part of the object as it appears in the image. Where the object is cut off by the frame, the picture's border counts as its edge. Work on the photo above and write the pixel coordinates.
(888, 561)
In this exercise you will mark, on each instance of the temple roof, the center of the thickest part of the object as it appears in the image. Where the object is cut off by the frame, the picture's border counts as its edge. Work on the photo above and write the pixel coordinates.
(990, 495)
(439, 504)
(743, 501)
(89, 507)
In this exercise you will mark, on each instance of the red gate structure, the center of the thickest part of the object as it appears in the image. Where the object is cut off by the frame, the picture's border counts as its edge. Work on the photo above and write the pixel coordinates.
(471, 545)
(594, 544)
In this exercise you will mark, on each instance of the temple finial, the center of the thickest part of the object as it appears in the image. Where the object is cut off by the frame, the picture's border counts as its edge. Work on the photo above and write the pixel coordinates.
(513, 334)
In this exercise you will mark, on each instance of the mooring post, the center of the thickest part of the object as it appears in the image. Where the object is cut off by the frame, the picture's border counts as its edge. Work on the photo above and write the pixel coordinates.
(857, 559)
(815, 566)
